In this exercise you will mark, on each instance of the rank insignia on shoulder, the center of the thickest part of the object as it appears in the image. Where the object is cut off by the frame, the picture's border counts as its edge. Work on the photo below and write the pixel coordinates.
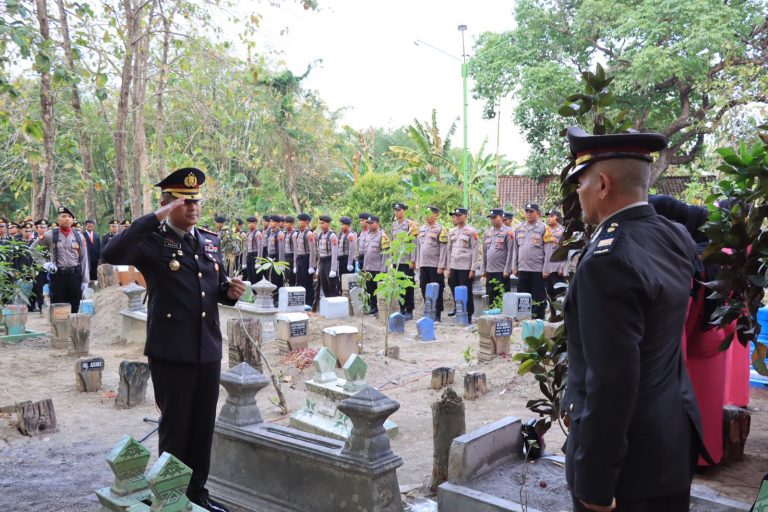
(606, 240)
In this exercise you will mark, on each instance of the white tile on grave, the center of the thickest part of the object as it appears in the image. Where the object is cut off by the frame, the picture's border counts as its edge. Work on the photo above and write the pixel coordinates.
(291, 298)
(334, 307)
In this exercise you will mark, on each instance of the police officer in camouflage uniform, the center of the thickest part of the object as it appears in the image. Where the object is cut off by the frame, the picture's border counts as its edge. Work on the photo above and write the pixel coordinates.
(529, 258)
(347, 247)
(328, 258)
(375, 260)
(408, 263)
(431, 253)
(305, 253)
(463, 257)
(553, 271)
(498, 251)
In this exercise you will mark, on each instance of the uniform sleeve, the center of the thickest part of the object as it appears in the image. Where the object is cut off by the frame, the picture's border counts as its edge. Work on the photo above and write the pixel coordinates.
(613, 371)
(515, 251)
(443, 239)
(385, 244)
(414, 232)
(312, 249)
(474, 246)
(334, 253)
(484, 258)
(280, 246)
(123, 249)
(85, 266)
(509, 244)
(417, 249)
(352, 237)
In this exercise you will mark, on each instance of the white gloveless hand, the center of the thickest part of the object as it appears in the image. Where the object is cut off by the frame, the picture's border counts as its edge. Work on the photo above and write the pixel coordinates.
(332, 274)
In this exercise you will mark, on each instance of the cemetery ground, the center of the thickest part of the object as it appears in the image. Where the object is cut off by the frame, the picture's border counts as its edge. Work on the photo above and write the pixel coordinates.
(59, 471)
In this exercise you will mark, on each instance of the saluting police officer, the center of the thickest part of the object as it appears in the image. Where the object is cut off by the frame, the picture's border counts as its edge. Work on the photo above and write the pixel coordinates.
(463, 258)
(635, 429)
(498, 251)
(407, 264)
(347, 247)
(68, 262)
(362, 239)
(376, 261)
(306, 253)
(529, 258)
(328, 255)
(185, 282)
(553, 271)
(431, 254)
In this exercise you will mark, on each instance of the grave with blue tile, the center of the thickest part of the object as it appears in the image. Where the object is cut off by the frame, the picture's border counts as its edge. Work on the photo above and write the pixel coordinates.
(461, 298)
(430, 300)
(397, 322)
(425, 327)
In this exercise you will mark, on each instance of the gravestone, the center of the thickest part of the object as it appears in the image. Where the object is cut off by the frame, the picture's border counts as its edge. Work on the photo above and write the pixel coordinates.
(349, 282)
(291, 299)
(342, 340)
(88, 372)
(60, 337)
(168, 481)
(356, 301)
(242, 383)
(334, 307)
(128, 460)
(106, 275)
(292, 332)
(494, 333)
(134, 293)
(354, 374)
(397, 322)
(461, 298)
(430, 300)
(240, 332)
(264, 309)
(133, 384)
(517, 305)
(534, 328)
(425, 327)
(324, 364)
(479, 298)
(80, 331)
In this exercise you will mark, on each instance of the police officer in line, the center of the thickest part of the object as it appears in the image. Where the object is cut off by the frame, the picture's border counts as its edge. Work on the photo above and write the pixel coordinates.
(509, 220)
(276, 252)
(430, 257)
(376, 261)
(68, 260)
(253, 248)
(553, 272)
(221, 224)
(41, 278)
(41, 226)
(347, 247)
(328, 259)
(498, 252)
(14, 231)
(529, 258)
(185, 282)
(125, 224)
(463, 258)
(114, 227)
(635, 430)
(362, 239)
(407, 264)
(289, 250)
(240, 235)
(93, 242)
(4, 237)
(305, 251)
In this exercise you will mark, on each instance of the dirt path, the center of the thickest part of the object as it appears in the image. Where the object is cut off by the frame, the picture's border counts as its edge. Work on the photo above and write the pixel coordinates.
(59, 471)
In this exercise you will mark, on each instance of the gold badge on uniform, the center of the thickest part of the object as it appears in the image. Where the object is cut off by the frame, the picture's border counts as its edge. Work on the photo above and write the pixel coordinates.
(174, 265)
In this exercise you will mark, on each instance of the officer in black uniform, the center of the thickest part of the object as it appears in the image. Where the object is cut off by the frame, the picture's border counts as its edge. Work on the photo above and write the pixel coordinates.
(185, 282)
(42, 276)
(634, 423)
(114, 227)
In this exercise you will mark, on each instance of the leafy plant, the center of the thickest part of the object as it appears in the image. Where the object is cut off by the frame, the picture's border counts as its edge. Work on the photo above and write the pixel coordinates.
(468, 354)
(391, 285)
(547, 359)
(16, 274)
(498, 287)
(363, 278)
(271, 265)
(738, 210)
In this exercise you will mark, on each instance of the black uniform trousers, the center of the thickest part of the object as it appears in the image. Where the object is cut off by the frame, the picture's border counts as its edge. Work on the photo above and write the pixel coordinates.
(429, 275)
(65, 287)
(303, 278)
(250, 267)
(331, 286)
(38, 297)
(186, 394)
(533, 283)
(407, 306)
(461, 278)
(370, 289)
(360, 261)
(290, 277)
(343, 262)
(490, 287)
(678, 503)
(549, 286)
(277, 280)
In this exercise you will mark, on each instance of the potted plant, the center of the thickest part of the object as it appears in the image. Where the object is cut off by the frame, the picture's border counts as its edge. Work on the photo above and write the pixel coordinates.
(17, 272)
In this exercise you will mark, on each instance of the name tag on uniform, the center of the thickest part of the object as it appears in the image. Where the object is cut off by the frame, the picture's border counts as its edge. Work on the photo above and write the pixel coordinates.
(170, 243)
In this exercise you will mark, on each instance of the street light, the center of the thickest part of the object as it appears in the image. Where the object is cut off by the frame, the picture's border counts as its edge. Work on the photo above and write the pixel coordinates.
(464, 155)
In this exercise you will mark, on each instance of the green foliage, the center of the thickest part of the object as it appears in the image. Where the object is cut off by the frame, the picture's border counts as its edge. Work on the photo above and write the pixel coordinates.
(375, 194)
(15, 280)
(270, 265)
(498, 287)
(391, 285)
(738, 210)
(468, 354)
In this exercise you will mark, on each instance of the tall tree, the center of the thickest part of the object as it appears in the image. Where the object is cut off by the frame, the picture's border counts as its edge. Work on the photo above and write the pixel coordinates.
(679, 66)
(42, 200)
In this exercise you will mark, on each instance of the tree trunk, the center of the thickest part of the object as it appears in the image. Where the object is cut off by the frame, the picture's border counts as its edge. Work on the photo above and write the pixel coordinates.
(126, 76)
(142, 184)
(162, 80)
(447, 424)
(660, 165)
(42, 201)
(85, 152)
(37, 417)
(240, 333)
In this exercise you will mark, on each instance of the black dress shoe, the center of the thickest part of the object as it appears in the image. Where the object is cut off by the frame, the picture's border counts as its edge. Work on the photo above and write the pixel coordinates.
(452, 313)
(408, 315)
(211, 505)
(438, 316)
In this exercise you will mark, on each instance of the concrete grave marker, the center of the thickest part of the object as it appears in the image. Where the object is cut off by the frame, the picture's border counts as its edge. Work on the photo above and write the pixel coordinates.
(494, 332)
(324, 365)
(88, 372)
(133, 384)
(292, 331)
(354, 373)
(242, 383)
(461, 298)
(349, 282)
(60, 337)
(168, 480)
(291, 299)
(127, 460)
(134, 293)
(430, 300)
(532, 328)
(80, 330)
(425, 327)
(397, 322)
(334, 307)
(517, 305)
(356, 301)
(342, 340)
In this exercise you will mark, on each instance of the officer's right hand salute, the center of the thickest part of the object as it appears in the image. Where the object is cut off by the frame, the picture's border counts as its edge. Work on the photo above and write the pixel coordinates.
(164, 211)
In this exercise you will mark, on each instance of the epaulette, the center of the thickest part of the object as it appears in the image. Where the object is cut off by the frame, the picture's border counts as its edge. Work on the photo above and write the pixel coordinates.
(548, 238)
(384, 241)
(413, 229)
(207, 231)
(604, 242)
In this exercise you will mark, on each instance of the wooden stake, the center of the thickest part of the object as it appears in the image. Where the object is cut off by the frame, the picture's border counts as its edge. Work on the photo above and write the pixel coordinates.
(240, 332)
(447, 424)
(37, 417)
(442, 377)
(474, 385)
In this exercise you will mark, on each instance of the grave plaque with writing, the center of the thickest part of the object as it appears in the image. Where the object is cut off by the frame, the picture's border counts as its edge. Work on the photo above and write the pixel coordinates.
(88, 374)
(524, 305)
(295, 299)
(298, 328)
(503, 328)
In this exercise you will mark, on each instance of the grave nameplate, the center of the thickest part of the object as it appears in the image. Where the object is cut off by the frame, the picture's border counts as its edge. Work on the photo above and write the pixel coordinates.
(503, 328)
(298, 328)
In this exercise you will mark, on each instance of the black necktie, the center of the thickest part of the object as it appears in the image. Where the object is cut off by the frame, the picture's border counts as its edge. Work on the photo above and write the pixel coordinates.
(192, 241)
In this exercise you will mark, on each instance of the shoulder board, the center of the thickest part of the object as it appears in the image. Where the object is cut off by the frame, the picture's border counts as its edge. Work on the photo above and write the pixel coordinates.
(351, 235)
(206, 231)
(605, 242)
(281, 235)
(548, 237)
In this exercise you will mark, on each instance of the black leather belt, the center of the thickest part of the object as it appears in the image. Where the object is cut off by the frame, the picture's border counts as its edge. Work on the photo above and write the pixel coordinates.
(70, 270)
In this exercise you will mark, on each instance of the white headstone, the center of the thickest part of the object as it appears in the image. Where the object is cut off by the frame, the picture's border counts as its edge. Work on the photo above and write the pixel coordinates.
(334, 307)
(348, 282)
(517, 305)
(291, 298)
(356, 301)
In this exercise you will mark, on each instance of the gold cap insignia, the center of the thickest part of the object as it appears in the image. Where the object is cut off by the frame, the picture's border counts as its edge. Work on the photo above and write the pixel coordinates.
(191, 180)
